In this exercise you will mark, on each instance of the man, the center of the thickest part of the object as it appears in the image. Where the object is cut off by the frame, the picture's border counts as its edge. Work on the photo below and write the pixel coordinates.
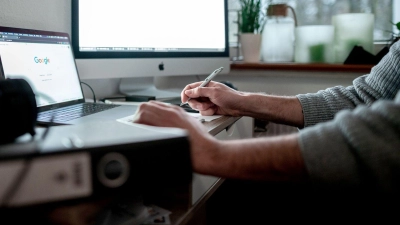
(349, 137)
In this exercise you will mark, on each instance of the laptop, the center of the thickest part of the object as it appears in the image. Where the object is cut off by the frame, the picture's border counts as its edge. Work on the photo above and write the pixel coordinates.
(45, 60)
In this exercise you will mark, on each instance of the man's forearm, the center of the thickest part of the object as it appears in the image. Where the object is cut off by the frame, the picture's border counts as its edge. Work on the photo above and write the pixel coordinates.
(272, 159)
(278, 109)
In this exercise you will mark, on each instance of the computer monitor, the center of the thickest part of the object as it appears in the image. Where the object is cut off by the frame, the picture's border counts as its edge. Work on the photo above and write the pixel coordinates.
(138, 40)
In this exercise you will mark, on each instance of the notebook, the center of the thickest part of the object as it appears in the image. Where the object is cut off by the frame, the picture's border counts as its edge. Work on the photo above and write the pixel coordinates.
(45, 59)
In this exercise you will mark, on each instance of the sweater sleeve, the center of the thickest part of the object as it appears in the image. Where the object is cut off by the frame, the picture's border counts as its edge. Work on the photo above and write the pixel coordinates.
(358, 149)
(383, 82)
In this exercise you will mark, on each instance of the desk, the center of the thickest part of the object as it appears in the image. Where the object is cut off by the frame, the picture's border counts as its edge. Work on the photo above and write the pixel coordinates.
(204, 186)
(177, 199)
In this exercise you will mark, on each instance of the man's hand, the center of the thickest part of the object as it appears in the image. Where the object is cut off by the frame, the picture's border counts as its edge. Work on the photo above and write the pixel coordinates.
(215, 98)
(202, 144)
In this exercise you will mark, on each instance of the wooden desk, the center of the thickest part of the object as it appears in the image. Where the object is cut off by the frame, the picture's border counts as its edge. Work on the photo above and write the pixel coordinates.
(177, 199)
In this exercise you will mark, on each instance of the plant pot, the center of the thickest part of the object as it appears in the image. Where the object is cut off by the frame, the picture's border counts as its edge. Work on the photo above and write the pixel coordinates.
(250, 45)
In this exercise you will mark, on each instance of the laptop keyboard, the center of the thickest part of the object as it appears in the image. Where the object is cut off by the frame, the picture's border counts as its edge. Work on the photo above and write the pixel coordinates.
(72, 112)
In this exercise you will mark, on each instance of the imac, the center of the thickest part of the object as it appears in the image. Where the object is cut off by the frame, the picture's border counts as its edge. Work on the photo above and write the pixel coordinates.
(139, 40)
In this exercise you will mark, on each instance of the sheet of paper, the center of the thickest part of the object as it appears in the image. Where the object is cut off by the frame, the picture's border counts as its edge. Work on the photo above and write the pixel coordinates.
(123, 103)
(204, 118)
(128, 120)
(196, 115)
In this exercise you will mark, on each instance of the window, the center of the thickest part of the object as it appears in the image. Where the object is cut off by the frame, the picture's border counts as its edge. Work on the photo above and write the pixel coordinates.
(320, 12)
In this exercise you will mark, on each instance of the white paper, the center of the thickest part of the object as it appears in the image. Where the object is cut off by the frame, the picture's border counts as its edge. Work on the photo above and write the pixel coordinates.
(128, 120)
(196, 115)
(204, 118)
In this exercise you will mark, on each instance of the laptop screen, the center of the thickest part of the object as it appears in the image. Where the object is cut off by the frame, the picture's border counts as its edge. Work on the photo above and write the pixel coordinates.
(45, 60)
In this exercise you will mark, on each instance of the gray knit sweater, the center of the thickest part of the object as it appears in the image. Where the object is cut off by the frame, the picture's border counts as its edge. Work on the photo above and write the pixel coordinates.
(359, 145)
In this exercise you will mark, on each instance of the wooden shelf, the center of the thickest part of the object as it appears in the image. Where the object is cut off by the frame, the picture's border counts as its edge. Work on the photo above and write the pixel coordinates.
(322, 67)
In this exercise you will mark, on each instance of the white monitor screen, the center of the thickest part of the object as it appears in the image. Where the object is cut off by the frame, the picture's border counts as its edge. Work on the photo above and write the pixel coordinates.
(151, 26)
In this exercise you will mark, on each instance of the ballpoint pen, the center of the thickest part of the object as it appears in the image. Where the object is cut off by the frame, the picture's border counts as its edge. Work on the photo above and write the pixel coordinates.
(206, 81)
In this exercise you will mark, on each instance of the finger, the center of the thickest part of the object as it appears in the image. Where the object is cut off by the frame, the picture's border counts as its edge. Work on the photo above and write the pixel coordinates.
(169, 107)
(196, 92)
(160, 104)
(193, 85)
(184, 97)
(200, 105)
(162, 111)
(146, 114)
(209, 112)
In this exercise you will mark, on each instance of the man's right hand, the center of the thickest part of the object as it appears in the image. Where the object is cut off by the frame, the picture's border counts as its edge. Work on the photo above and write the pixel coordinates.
(214, 99)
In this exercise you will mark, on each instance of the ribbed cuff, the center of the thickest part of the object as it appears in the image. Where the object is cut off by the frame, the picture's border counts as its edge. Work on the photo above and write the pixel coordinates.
(314, 109)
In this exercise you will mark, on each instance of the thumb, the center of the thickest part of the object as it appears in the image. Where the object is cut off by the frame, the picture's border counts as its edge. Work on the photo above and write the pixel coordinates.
(198, 92)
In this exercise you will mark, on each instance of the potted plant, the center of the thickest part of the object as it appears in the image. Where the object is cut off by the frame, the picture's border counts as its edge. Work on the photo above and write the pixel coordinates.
(250, 27)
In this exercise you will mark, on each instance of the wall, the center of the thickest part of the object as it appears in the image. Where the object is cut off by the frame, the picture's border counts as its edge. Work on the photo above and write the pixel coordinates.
(53, 15)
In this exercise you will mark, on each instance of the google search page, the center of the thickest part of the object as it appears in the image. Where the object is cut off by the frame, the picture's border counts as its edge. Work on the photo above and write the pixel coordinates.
(49, 69)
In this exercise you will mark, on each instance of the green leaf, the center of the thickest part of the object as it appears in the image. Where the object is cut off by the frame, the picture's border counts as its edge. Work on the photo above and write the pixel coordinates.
(397, 25)
(250, 17)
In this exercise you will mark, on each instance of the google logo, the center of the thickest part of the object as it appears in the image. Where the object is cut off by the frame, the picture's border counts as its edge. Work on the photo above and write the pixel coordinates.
(38, 60)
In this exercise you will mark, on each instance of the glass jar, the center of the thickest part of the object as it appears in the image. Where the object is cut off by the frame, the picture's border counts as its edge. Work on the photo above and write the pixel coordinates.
(277, 44)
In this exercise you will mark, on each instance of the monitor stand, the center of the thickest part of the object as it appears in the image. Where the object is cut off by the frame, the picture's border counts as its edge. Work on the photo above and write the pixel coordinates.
(144, 86)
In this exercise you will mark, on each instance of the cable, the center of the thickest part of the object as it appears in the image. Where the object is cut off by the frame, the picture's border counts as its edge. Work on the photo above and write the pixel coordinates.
(94, 96)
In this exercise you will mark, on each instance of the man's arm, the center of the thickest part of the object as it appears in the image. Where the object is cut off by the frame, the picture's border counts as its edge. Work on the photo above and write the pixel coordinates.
(359, 148)
(276, 158)
(273, 159)
(383, 82)
(219, 99)
(277, 109)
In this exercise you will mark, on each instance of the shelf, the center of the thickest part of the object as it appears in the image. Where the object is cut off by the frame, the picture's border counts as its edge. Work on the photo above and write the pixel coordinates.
(322, 67)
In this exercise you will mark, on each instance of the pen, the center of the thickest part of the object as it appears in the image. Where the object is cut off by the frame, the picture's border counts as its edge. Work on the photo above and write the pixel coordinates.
(206, 81)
